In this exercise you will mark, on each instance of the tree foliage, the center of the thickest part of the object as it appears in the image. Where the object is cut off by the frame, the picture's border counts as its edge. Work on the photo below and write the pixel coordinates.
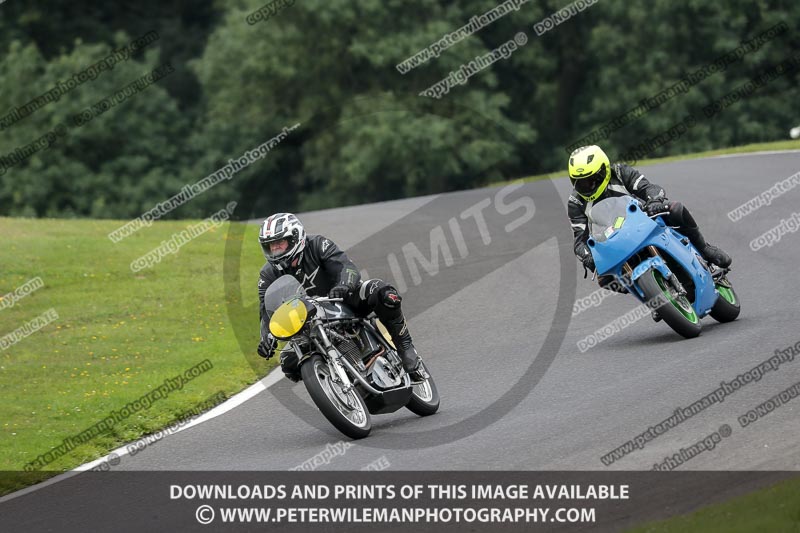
(366, 134)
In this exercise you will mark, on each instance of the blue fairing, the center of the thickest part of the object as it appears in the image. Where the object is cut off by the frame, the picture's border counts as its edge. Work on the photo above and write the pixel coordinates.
(612, 246)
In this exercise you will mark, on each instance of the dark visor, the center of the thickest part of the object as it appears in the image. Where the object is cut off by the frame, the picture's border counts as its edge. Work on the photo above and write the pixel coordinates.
(588, 185)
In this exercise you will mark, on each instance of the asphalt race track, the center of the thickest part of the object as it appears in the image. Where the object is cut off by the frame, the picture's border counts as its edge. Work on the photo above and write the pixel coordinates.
(480, 330)
(588, 403)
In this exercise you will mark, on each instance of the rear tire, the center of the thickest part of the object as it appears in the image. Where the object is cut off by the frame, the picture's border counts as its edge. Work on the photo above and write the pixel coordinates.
(677, 312)
(727, 307)
(347, 413)
(425, 397)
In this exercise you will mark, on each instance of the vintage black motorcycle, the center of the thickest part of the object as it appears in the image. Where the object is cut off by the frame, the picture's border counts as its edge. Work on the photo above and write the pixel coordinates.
(348, 364)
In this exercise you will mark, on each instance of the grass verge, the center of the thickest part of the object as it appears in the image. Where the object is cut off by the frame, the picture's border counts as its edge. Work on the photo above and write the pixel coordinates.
(774, 509)
(119, 335)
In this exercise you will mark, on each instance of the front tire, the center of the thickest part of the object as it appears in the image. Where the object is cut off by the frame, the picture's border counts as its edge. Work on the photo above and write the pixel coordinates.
(347, 412)
(727, 307)
(425, 396)
(677, 311)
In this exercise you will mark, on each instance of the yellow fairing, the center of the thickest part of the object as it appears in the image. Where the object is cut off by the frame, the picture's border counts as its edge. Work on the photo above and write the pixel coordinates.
(288, 319)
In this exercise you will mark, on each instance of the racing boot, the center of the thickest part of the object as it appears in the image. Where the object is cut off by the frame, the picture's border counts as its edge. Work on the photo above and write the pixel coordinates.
(710, 253)
(398, 330)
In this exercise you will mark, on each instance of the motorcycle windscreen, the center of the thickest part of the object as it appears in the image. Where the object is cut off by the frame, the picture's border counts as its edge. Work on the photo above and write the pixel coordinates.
(608, 216)
(282, 290)
(288, 319)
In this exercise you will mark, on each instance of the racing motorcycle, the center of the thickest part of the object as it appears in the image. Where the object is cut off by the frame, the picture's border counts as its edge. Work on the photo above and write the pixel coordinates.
(348, 364)
(659, 266)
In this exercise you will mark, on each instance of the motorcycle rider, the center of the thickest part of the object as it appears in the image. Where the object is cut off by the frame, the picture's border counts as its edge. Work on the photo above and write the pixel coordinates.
(594, 178)
(324, 270)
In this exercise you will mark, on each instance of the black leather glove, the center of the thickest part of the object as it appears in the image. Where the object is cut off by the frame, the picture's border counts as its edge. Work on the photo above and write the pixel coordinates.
(656, 206)
(266, 348)
(339, 291)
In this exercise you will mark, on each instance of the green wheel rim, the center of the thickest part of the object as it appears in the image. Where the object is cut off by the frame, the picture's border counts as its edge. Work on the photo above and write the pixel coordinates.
(686, 310)
(727, 293)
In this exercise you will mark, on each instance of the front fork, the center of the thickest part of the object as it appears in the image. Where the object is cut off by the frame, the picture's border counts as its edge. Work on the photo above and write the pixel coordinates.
(334, 358)
(672, 280)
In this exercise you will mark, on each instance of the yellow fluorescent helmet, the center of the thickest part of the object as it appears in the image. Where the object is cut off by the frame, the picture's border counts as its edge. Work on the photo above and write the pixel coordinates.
(589, 171)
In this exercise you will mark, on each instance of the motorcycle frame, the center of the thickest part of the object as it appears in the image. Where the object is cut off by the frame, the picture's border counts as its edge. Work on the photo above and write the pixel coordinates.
(337, 363)
(640, 233)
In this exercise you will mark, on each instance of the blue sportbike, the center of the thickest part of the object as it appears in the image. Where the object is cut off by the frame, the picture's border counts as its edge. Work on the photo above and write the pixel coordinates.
(659, 266)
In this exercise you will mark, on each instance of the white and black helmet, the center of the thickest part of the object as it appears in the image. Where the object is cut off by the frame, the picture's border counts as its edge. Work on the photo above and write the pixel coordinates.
(282, 226)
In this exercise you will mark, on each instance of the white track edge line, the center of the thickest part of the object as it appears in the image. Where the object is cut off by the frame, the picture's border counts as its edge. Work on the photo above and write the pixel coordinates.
(270, 380)
(229, 404)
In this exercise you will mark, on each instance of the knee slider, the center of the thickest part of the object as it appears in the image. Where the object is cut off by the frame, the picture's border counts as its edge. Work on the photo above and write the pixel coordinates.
(389, 298)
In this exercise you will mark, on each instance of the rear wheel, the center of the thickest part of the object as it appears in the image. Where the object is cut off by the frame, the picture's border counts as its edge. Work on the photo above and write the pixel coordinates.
(425, 396)
(676, 310)
(347, 412)
(727, 307)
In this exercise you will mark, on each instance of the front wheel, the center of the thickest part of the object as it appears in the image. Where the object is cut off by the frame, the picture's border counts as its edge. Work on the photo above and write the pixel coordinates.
(727, 307)
(676, 310)
(425, 396)
(347, 412)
